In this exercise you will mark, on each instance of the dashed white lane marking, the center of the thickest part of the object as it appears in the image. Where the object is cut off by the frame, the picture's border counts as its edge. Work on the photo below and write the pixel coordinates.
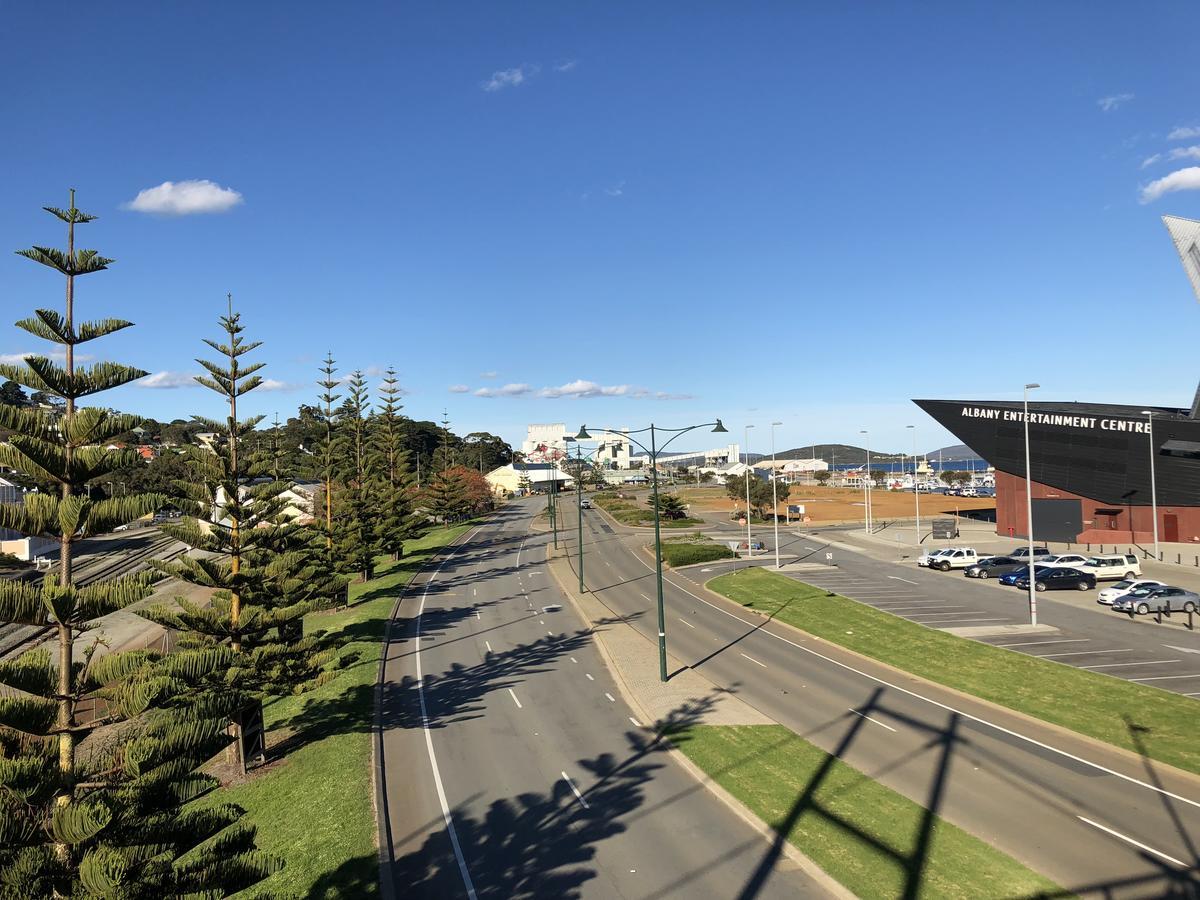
(489, 646)
(1079, 653)
(905, 580)
(541, 621)
(549, 632)
(589, 676)
(755, 661)
(611, 698)
(869, 719)
(1130, 840)
(1168, 678)
(1149, 662)
(474, 592)
(477, 615)
(635, 722)
(1040, 643)
(574, 660)
(1191, 695)
(687, 623)
(515, 700)
(574, 790)
(1181, 649)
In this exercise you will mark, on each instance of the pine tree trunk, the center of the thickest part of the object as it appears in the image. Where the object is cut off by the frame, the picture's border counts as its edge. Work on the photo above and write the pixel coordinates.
(66, 737)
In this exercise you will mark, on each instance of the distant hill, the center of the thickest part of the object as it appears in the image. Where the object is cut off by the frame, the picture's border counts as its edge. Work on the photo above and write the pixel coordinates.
(838, 454)
(954, 452)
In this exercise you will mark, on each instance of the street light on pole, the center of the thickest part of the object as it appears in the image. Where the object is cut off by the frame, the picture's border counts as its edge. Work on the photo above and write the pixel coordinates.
(654, 450)
(916, 492)
(1029, 511)
(774, 494)
(749, 540)
(1149, 414)
(867, 484)
(579, 492)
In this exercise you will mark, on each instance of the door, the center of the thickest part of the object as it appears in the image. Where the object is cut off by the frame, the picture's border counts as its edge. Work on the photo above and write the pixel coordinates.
(1170, 528)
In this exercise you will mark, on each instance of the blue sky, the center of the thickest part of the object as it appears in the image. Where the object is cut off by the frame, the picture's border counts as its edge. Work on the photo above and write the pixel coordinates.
(614, 214)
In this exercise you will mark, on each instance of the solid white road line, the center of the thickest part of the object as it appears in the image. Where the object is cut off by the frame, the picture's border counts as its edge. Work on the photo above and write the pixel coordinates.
(433, 764)
(644, 597)
(1149, 662)
(1077, 653)
(1040, 643)
(947, 707)
(1167, 678)
(687, 623)
(905, 580)
(869, 719)
(755, 661)
(515, 700)
(1181, 649)
(574, 790)
(1130, 840)
(611, 698)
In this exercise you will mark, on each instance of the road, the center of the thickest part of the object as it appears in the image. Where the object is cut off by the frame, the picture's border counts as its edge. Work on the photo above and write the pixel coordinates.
(1096, 820)
(510, 766)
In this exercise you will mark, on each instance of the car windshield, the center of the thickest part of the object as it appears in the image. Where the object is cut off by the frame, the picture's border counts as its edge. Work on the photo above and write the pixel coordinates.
(1123, 584)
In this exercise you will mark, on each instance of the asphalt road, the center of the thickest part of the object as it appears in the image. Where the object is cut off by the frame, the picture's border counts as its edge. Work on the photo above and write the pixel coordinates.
(1097, 821)
(511, 767)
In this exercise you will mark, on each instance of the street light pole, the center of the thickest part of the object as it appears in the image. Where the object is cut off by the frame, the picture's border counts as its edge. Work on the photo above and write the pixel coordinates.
(774, 494)
(653, 450)
(867, 484)
(916, 492)
(1029, 512)
(749, 540)
(1149, 414)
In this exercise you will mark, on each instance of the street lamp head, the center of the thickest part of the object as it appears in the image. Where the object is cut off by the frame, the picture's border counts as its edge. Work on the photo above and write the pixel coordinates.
(910, 426)
(863, 431)
(1030, 387)
(1147, 412)
(583, 434)
(720, 429)
(773, 424)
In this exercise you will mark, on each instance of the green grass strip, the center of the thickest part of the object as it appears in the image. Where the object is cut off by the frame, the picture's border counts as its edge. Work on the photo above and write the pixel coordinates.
(1146, 720)
(865, 835)
(314, 808)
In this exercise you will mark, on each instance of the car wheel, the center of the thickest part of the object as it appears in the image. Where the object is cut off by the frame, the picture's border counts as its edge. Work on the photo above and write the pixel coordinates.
(1039, 585)
(1189, 607)
(1129, 576)
(1083, 586)
(1142, 608)
(982, 573)
(945, 567)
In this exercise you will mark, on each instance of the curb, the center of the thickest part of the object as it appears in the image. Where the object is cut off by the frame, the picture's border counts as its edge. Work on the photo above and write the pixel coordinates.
(790, 850)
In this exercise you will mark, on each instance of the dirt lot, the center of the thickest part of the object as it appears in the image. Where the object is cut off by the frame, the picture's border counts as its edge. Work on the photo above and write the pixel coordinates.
(830, 504)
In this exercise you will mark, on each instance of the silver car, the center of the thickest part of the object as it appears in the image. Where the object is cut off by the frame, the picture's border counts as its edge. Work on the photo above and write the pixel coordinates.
(1148, 600)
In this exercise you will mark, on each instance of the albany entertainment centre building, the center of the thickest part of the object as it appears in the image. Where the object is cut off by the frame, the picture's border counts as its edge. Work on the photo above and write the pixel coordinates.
(1090, 463)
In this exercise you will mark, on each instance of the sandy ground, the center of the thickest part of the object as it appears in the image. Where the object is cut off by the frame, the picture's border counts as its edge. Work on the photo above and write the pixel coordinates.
(831, 504)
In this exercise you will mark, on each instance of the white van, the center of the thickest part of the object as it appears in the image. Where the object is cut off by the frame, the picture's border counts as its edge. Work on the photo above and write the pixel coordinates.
(1113, 567)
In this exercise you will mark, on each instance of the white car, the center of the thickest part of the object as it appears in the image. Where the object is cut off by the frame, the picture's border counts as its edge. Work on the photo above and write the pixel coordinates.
(1117, 566)
(1064, 560)
(1123, 587)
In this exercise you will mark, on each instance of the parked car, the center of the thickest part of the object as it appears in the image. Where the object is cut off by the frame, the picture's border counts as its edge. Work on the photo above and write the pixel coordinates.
(124, 527)
(993, 567)
(1059, 578)
(1118, 566)
(1148, 600)
(1064, 560)
(1126, 586)
(1017, 574)
(1022, 553)
(958, 558)
(754, 545)
(968, 492)
(927, 558)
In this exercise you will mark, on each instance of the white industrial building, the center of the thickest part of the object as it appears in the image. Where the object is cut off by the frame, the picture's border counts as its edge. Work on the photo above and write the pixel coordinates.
(545, 442)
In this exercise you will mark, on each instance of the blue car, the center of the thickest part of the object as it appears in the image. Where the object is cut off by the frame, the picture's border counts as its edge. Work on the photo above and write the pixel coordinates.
(1017, 574)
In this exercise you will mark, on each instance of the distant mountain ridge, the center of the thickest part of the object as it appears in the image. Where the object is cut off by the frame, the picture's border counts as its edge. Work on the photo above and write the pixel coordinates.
(850, 455)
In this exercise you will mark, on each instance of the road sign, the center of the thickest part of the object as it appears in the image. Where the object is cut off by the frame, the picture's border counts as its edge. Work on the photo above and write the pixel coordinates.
(795, 509)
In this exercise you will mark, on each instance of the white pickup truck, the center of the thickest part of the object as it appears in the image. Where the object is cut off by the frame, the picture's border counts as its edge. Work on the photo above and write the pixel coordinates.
(956, 558)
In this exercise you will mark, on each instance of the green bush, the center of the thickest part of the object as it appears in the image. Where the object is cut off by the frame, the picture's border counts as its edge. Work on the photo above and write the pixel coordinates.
(687, 554)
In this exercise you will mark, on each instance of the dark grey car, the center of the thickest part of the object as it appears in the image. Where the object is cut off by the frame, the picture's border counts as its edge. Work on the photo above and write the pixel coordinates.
(993, 567)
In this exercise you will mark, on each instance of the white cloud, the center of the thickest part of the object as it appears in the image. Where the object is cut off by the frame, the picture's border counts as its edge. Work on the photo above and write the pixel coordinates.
(459, 389)
(617, 190)
(508, 390)
(16, 359)
(566, 65)
(488, 374)
(506, 78)
(185, 198)
(1183, 132)
(273, 384)
(1151, 160)
(1180, 180)
(1174, 154)
(167, 380)
(581, 388)
(1115, 101)
(663, 395)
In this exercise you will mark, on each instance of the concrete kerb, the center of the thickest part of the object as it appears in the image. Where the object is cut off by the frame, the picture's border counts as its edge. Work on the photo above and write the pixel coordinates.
(862, 661)
(562, 574)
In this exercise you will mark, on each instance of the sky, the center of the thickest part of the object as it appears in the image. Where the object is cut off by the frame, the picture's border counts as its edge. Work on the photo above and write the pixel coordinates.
(620, 213)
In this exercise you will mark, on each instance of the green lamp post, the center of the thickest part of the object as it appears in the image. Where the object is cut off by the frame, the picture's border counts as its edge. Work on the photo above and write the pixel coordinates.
(579, 455)
(654, 450)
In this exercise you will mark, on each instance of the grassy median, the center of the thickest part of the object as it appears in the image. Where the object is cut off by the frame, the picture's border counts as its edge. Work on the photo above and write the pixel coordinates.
(313, 808)
(868, 837)
(1146, 720)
